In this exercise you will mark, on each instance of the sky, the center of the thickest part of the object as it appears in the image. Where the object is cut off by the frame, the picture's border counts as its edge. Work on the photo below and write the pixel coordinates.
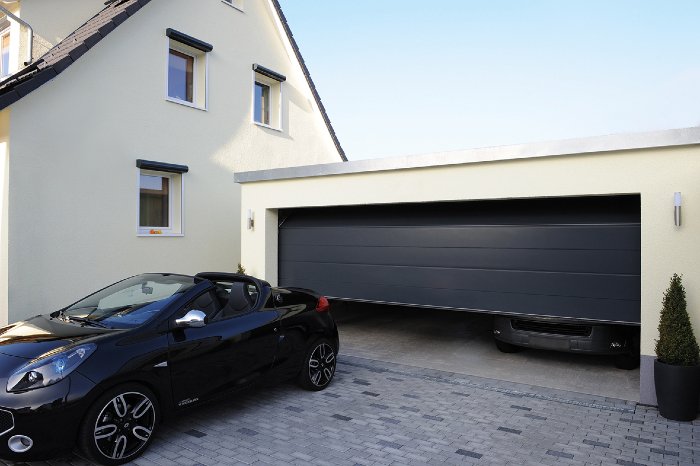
(401, 77)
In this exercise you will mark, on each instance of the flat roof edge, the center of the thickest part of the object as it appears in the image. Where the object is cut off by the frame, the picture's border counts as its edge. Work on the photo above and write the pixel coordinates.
(607, 143)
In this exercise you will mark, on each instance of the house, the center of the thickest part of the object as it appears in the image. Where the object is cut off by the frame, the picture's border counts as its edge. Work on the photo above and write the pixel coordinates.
(121, 126)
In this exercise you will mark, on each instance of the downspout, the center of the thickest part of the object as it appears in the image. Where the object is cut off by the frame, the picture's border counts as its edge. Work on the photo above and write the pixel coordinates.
(30, 32)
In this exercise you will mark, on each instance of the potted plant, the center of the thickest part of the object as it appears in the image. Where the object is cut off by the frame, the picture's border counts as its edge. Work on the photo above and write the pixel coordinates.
(676, 369)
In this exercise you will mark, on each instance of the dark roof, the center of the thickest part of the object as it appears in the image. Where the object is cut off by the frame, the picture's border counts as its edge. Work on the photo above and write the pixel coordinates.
(283, 19)
(63, 54)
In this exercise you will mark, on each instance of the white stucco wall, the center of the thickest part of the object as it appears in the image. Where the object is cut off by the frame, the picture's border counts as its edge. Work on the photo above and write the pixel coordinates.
(654, 174)
(75, 140)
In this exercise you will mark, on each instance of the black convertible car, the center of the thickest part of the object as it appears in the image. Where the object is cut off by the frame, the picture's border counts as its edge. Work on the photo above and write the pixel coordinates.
(100, 373)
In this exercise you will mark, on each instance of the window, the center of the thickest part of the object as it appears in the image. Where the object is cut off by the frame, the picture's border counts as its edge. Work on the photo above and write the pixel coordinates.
(267, 97)
(180, 71)
(154, 201)
(5, 53)
(160, 198)
(187, 69)
(262, 103)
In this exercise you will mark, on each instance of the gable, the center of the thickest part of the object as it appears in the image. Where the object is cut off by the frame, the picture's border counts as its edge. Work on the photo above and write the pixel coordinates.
(94, 30)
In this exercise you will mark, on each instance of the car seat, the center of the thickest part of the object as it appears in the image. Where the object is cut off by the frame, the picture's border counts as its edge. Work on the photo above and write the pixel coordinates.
(239, 300)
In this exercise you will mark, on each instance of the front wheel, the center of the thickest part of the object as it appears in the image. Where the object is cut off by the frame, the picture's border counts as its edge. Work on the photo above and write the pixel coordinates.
(319, 366)
(119, 425)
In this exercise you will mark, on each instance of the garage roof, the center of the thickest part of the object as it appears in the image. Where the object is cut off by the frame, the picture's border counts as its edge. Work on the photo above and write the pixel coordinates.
(600, 144)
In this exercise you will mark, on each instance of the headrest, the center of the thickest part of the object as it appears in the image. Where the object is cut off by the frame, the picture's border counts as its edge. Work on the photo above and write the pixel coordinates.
(239, 299)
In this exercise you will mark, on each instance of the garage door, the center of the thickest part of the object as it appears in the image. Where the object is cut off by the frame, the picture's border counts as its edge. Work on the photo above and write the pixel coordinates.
(562, 257)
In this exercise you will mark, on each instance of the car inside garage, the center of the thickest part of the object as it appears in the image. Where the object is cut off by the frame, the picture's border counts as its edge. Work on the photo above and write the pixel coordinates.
(554, 271)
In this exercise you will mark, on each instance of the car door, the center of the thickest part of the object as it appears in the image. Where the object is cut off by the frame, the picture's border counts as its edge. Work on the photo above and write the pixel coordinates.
(226, 353)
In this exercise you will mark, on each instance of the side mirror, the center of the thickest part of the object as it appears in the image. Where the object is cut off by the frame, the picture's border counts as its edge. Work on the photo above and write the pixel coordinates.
(193, 318)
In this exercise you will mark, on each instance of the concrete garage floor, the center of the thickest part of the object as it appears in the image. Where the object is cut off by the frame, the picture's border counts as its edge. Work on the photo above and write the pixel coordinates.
(462, 343)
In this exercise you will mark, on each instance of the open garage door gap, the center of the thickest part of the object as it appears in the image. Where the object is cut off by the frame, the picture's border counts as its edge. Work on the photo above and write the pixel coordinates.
(485, 311)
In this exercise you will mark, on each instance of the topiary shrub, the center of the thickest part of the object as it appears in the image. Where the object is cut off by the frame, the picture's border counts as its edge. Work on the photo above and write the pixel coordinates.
(676, 344)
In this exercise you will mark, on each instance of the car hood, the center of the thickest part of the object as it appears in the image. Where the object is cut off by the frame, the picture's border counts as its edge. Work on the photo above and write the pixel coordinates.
(38, 335)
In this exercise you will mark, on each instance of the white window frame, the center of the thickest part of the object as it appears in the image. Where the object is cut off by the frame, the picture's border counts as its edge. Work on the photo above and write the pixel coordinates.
(198, 68)
(276, 99)
(176, 181)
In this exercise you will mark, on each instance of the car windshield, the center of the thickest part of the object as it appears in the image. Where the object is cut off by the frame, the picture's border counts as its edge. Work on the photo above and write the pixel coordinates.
(130, 302)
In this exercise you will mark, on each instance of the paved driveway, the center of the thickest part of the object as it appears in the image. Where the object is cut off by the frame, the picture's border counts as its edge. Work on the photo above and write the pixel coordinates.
(386, 413)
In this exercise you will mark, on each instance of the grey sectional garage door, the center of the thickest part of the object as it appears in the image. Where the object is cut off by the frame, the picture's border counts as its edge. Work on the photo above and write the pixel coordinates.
(565, 257)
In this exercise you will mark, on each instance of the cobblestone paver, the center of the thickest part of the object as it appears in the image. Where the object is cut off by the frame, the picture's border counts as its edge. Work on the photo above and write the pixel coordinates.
(389, 414)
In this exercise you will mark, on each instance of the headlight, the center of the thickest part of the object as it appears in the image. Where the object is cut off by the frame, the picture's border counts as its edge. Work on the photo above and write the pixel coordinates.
(49, 368)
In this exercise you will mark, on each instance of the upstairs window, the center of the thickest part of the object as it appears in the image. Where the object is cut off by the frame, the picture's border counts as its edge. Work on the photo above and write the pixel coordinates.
(262, 103)
(180, 76)
(187, 69)
(267, 97)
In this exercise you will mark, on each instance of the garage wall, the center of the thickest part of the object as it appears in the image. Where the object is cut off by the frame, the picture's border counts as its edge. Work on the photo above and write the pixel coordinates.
(655, 174)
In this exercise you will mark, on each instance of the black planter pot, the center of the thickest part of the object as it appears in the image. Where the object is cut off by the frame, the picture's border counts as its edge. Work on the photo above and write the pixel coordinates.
(677, 390)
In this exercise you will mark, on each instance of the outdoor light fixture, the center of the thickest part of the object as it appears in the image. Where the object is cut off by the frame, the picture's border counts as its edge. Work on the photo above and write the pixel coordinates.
(677, 209)
(251, 219)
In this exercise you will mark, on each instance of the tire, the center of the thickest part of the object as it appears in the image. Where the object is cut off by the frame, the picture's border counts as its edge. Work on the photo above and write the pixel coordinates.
(627, 361)
(319, 366)
(504, 347)
(119, 425)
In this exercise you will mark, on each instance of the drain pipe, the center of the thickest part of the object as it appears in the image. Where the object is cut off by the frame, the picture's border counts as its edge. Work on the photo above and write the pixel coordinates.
(30, 35)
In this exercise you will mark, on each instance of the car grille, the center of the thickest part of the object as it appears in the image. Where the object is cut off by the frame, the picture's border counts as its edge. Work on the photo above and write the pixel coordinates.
(7, 421)
(554, 328)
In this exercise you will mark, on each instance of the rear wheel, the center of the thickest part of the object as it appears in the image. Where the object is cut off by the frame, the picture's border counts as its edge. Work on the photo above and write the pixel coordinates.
(319, 366)
(504, 347)
(119, 425)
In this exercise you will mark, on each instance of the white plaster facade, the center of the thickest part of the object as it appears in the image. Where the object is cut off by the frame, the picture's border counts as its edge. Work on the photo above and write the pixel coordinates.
(68, 176)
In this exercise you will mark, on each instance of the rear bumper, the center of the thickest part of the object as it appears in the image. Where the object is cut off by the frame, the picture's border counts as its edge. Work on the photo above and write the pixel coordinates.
(601, 339)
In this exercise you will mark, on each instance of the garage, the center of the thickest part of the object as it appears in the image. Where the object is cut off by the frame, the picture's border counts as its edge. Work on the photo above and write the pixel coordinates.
(583, 230)
(572, 258)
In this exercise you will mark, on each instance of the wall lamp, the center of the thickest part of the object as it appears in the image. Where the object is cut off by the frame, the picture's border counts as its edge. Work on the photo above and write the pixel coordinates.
(677, 209)
(251, 219)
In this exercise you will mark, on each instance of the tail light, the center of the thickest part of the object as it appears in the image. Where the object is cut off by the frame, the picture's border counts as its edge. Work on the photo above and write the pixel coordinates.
(323, 304)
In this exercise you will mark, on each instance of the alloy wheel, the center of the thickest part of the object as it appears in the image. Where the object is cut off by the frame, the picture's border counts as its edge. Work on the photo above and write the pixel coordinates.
(322, 365)
(124, 425)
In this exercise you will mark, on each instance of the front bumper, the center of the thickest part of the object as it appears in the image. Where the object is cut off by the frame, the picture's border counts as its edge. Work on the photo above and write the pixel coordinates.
(602, 339)
(50, 416)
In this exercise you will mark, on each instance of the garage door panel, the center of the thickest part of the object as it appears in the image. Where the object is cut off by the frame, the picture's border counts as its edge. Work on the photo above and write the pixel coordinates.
(611, 237)
(547, 260)
(574, 258)
(495, 281)
(608, 310)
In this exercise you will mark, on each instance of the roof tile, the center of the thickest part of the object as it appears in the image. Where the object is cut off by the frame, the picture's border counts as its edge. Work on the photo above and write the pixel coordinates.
(67, 51)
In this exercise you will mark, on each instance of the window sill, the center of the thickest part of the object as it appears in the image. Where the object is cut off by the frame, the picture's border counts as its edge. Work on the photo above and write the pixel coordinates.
(232, 6)
(263, 125)
(185, 103)
(167, 235)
